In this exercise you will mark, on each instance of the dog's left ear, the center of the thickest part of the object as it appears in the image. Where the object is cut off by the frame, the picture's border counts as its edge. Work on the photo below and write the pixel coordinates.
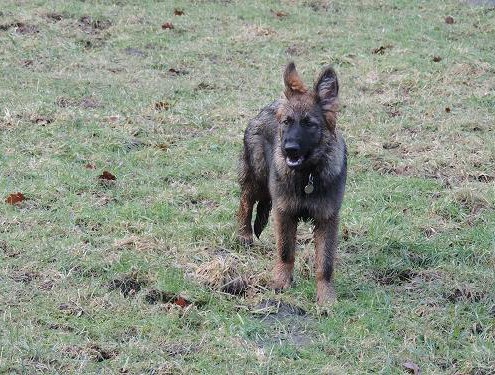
(327, 92)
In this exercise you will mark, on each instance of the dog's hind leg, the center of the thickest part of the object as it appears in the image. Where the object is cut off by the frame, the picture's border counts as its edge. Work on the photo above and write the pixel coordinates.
(262, 212)
(244, 216)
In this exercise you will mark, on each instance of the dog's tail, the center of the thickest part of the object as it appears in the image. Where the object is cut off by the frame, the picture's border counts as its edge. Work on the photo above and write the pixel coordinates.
(262, 212)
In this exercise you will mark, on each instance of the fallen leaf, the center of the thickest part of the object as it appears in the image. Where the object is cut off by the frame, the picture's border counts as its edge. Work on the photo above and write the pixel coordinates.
(167, 26)
(437, 59)
(280, 14)
(15, 198)
(447, 109)
(154, 296)
(107, 176)
(412, 368)
(381, 50)
(181, 301)
(90, 166)
(162, 106)
(178, 12)
(449, 20)
(113, 118)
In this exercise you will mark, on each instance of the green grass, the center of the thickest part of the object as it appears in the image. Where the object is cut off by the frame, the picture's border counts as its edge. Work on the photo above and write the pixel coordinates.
(415, 272)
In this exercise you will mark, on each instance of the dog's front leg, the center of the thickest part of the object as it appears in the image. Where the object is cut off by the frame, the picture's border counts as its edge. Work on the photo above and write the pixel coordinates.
(285, 233)
(325, 238)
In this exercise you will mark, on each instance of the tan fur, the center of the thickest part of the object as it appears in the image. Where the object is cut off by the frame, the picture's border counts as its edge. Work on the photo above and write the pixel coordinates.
(293, 82)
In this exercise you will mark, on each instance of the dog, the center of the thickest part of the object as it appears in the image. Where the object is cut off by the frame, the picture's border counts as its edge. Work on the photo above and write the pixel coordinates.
(294, 163)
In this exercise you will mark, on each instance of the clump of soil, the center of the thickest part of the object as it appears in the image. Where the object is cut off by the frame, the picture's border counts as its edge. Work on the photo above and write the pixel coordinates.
(128, 285)
(393, 276)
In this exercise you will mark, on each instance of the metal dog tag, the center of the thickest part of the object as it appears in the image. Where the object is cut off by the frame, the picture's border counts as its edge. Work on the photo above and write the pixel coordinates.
(309, 188)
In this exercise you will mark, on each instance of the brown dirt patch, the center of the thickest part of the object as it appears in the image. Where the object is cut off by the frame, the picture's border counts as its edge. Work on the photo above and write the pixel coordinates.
(90, 102)
(92, 351)
(392, 276)
(24, 276)
(55, 17)
(90, 25)
(20, 28)
(465, 294)
(87, 102)
(285, 323)
(71, 308)
(180, 349)
(128, 285)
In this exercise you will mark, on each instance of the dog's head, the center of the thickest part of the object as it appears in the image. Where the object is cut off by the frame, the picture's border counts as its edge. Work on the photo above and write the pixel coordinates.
(305, 115)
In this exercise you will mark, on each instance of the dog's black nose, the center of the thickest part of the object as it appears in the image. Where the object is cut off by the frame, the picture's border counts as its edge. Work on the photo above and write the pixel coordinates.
(292, 148)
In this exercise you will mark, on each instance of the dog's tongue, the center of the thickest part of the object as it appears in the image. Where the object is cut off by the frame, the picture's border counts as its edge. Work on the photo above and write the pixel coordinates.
(294, 162)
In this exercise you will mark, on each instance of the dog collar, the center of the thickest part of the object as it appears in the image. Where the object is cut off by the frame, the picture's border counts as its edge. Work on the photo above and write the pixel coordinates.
(309, 188)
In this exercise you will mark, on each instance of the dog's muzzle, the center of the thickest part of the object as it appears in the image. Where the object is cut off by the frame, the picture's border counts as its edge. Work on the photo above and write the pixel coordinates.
(293, 157)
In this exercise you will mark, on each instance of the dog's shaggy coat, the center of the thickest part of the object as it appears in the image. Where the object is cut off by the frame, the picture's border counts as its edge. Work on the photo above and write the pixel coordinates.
(294, 163)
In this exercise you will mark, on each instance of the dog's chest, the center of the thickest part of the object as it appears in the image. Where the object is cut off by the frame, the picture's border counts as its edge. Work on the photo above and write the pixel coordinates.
(305, 196)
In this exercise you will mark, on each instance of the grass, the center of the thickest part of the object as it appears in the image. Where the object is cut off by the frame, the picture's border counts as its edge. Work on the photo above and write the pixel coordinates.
(82, 260)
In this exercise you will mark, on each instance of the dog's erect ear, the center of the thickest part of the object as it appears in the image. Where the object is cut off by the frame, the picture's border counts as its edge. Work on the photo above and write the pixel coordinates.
(327, 92)
(293, 83)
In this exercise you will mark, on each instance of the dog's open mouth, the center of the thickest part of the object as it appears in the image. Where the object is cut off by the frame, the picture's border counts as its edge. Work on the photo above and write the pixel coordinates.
(294, 161)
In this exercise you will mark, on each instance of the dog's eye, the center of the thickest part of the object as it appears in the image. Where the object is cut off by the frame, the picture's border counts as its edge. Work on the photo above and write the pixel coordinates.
(287, 121)
(306, 122)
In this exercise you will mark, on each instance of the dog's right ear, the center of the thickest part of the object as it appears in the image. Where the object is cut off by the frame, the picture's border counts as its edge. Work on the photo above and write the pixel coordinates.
(293, 82)
(327, 92)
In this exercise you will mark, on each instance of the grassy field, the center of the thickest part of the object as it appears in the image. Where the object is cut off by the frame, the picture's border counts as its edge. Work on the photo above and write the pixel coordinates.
(142, 274)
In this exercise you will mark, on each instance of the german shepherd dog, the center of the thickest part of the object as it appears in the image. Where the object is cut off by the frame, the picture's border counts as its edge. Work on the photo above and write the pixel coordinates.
(295, 161)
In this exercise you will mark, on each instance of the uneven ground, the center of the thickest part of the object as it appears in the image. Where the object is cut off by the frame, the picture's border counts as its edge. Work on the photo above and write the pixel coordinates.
(142, 274)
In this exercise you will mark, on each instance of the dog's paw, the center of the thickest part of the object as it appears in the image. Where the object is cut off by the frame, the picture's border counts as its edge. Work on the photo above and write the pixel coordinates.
(282, 275)
(281, 280)
(245, 240)
(325, 294)
(278, 286)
